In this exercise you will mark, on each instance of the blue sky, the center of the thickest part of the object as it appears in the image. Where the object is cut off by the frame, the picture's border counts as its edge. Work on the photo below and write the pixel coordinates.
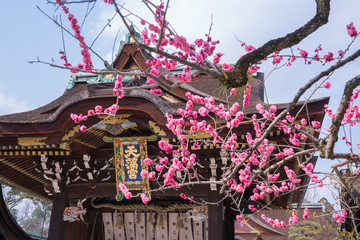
(25, 86)
(27, 34)
(33, 35)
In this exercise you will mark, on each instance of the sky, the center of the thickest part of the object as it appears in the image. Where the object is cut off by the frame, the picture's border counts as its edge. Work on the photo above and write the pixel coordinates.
(25, 86)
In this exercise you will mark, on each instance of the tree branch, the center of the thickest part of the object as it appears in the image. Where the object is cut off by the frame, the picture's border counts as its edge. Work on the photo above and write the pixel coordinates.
(72, 2)
(162, 26)
(239, 77)
(346, 186)
(291, 106)
(336, 122)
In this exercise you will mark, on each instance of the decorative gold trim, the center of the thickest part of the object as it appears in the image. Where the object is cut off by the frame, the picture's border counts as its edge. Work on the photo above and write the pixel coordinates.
(134, 67)
(65, 146)
(33, 153)
(31, 141)
(170, 98)
(198, 135)
(71, 133)
(160, 132)
(143, 184)
(19, 147)
(114, 119)
(117, 131)
(131, 139)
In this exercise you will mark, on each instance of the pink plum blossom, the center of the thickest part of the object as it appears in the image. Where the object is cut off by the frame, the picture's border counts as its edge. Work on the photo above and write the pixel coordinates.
(327, 85)
(306, 214)
(351, 30)
(148, 161)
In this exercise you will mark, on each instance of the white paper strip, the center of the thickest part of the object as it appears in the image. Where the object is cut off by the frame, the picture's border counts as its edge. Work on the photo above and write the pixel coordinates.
(140, 226)
(129, 225)
(198, 230)
(173, 232)
(119, 233)
(150, 231)
(161, 227)
(186, 232)
(108, 226)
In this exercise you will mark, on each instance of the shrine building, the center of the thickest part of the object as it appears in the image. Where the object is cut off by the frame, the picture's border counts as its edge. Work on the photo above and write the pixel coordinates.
(44, 153)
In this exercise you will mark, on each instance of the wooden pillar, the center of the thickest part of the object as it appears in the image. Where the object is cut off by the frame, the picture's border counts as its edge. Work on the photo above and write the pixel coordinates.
(229, 223)
(76, 230)
(92, 213)
(57, 229)
(215, 221)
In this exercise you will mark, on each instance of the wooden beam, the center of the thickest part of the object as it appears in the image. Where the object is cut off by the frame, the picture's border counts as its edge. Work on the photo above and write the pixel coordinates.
(108, 189)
